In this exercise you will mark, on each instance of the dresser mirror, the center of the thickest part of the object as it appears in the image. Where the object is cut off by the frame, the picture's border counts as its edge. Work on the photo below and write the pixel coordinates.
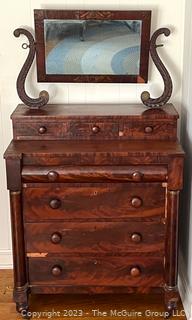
(92, 46)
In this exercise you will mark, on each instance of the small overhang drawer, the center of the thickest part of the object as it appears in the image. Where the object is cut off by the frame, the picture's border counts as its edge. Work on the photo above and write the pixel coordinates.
(153, 173)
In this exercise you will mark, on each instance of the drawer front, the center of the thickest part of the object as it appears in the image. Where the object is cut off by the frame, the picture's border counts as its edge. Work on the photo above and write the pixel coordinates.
(105, 271)
(65, 130)
(93, 201)
(94, 173)
(98, 130)
(38, 130)
(93, 130)
(150, 130)
(93, 237)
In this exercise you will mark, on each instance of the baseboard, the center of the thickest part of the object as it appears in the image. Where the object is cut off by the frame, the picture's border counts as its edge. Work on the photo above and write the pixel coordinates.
(6, 261)
(184, 288)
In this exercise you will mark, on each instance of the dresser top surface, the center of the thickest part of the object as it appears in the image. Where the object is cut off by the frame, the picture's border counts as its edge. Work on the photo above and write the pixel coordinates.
(123, 148)
(59, 111)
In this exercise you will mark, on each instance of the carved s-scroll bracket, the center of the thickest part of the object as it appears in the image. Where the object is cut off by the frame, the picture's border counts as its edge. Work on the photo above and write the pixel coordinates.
(168, 85)
(43, 95)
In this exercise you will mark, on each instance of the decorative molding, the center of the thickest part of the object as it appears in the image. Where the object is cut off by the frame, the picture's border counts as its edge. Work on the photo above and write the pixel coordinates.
(168, 86)
(43, 95)
(6, 261)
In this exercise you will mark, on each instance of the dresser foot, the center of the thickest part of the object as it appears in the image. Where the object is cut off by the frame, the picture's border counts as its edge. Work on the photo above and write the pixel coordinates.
(23, 310)
(171, 297)
(20, 296)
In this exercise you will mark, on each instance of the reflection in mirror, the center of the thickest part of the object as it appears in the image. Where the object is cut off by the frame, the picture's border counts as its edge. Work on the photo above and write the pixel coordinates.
(92, 47)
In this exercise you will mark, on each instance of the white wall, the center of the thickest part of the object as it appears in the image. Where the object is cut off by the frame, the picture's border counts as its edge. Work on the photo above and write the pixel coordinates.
(18, 13)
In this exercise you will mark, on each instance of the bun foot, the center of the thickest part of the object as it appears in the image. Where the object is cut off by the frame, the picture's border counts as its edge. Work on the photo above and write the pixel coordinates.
(171, 300)
(23, 309)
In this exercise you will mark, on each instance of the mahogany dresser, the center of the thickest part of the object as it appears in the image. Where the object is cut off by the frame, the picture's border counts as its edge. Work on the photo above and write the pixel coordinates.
(94, 193)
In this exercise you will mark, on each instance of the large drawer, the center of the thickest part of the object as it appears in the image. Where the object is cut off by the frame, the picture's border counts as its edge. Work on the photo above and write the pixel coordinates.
(94, 237)
(92, 270)
(92, 201)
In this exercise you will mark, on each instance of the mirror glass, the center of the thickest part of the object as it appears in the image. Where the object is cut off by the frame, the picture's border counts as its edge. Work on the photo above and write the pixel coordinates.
(93, 47)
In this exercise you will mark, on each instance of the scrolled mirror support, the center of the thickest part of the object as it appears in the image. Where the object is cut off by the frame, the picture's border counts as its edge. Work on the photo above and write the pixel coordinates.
(43, 95)
(168, 86)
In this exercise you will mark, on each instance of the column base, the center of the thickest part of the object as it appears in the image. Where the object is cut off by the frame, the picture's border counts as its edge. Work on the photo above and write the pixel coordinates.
(171, 299)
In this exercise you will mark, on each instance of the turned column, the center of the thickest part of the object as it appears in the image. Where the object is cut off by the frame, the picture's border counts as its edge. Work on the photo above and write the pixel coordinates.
(175, 184)
(20, 292)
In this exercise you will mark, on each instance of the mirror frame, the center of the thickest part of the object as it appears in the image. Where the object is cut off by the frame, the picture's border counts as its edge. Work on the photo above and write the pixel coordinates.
(41, 15)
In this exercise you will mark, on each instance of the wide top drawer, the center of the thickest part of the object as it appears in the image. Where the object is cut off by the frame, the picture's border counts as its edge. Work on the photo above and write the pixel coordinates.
(153, 173)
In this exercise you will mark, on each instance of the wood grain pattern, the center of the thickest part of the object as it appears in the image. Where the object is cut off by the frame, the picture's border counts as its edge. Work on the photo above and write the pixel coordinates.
(96, 237)
(82, 130)
(175, 169)
(93, 201)
(166, 130)
(20, 292)
(99, 216)
(94, 173)
(104, 271)
(62, 112)
(18, 240)
(75, 125)
(95, 152)
(144, 16)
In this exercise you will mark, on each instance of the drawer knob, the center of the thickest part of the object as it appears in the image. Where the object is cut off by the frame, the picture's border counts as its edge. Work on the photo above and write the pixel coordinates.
(56, 238)
(55, 203)
(148, 129)
(52, 175)
(56, 271)
(42, 130)
(136, 237)
(135, 272)
(137, 176)
(136, 202)
(95, 129)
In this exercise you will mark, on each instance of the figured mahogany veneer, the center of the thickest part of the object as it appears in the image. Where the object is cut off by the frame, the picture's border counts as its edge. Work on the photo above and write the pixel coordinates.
(96, 237)
(106, 271)
(94, 200)
(148, 173)
(70, 123)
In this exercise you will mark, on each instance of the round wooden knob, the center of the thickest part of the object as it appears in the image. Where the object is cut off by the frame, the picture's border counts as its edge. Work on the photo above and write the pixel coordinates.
(42, 130)
(56, 237)
(136, 237)
(52, 175)
(56, 271)
(95, 129)
(55, 203)
(137, 176)
(148, 129)
(135, 272)
(136, 202)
